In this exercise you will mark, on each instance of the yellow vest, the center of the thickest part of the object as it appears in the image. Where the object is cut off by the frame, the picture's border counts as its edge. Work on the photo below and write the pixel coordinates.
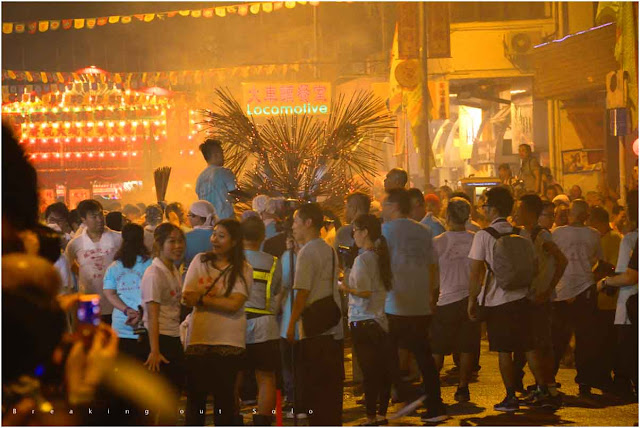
(267, 278)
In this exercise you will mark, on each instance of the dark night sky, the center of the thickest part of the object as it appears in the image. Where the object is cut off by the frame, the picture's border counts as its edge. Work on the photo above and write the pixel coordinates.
(347, 32)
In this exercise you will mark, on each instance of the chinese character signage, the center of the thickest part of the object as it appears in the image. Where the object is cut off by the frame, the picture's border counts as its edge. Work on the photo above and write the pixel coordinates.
(408, 36)
(268, 99)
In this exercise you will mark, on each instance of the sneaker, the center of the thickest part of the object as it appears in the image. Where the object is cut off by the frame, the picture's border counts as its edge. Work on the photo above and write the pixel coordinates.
(543, 400)
(435, 414)
(462, 394)
(509, 404)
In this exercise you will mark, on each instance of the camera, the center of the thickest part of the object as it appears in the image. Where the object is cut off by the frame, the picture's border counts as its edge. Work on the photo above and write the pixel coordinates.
(347, 255)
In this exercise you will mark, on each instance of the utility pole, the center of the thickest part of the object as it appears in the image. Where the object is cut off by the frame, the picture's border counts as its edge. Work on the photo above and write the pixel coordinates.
(424, 79)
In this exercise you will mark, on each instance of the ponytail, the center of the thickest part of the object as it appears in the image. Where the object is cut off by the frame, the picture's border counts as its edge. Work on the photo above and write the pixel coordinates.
(384, 261)
(372, 224)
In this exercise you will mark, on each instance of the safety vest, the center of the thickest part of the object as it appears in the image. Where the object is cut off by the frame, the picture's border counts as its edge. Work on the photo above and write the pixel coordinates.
(264, 277)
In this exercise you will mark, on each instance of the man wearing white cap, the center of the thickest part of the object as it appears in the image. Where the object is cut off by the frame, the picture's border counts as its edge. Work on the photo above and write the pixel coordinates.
(266, 207)
(561, 199)
(202, 216)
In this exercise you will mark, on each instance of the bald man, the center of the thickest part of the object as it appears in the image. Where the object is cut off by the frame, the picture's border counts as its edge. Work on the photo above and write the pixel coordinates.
(397, 178)
(576, 297)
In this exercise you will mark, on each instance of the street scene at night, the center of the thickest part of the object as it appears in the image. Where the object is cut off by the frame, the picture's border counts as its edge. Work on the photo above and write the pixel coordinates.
(319, 213)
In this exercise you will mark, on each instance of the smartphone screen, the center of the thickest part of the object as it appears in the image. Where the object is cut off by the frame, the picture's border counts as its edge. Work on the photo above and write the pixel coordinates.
(89, 309)
(87, 318)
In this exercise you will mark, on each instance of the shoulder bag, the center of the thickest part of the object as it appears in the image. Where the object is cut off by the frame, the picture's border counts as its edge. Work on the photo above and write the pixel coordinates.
(324, 313)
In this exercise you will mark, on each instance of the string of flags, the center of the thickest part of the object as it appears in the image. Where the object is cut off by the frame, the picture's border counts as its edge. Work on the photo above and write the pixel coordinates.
(42, 26)
(15, 83)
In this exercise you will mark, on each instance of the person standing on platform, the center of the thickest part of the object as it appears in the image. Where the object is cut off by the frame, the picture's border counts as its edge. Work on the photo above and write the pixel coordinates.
(216, 182)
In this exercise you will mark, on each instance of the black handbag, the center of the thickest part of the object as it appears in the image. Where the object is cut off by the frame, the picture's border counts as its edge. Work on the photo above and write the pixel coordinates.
(324, 313)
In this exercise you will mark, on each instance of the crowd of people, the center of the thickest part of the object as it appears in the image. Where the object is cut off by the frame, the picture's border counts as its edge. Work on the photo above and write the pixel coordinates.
(210, 301)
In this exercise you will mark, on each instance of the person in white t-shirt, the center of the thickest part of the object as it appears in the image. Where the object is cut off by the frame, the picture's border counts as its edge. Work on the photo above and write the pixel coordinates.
(217, 286)
(626, 377)
(451, 329)
(92, 251)
(576, 296)
(371, 278)
(508, 311)
(319, 359)
(161, 288)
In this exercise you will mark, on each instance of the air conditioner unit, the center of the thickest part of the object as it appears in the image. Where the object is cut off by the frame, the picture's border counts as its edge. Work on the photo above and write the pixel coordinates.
(517, 43)
(617, 89)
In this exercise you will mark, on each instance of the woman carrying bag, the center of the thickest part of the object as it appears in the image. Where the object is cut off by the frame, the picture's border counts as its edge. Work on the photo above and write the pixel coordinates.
(217, 286)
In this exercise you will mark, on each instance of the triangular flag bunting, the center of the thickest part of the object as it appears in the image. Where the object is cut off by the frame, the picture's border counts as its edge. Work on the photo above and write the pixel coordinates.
(91, 22)
(67, 23)
(243, 9)
(196, 13)
(184, 12)
(207, 13)
(149, 17)
(43, 76)
(7, 27)
(32, 27)
(139, 17)
(114, 19)
(255, 8)
(78, 23)
(267, 7)
(102, 21)
(55, 25)
(172, 13)
(20, 27)
(221, 12)
(126, 19)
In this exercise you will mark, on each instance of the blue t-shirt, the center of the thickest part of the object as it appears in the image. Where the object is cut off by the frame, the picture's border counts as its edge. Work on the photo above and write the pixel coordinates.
(436, 225)
(411, 250)
(214, 185)
(197, 241)
(126, 282)
(286, 283)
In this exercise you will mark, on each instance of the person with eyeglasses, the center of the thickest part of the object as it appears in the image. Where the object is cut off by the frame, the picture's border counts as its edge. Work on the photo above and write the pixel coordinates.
(508, 313)
(369, 281)
(547, 215)
(202, 217)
